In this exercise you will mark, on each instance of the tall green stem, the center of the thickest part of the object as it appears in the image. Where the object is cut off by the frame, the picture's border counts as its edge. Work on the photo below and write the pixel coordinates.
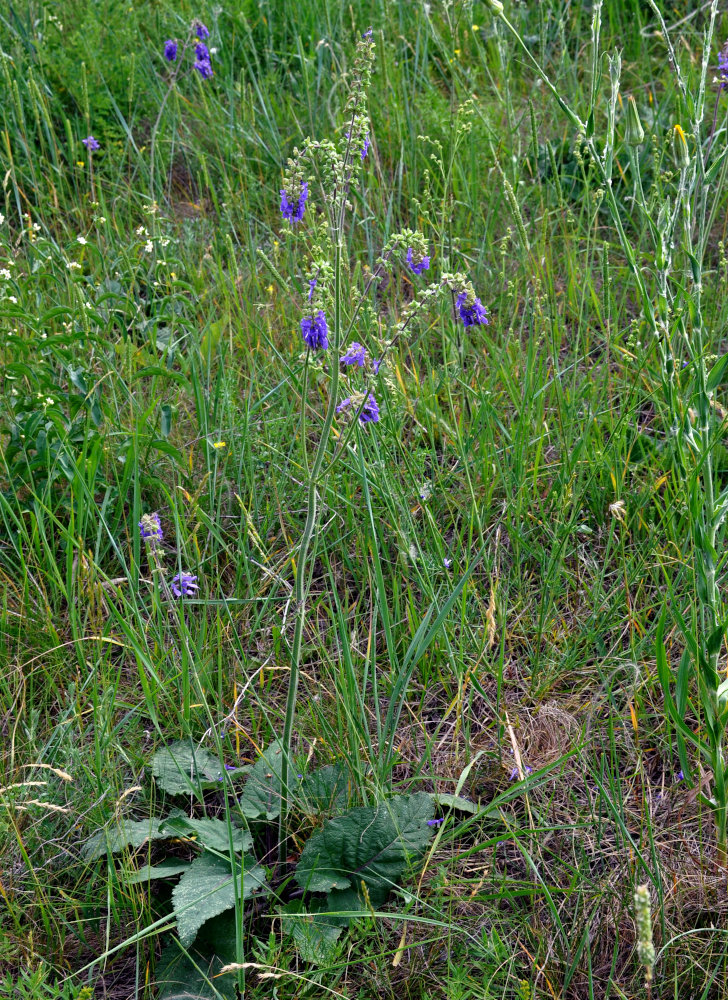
(301, 585)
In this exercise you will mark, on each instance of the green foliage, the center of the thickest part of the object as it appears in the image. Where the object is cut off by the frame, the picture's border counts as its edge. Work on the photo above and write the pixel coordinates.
(183, 769)
(370, 844)
(209, 887)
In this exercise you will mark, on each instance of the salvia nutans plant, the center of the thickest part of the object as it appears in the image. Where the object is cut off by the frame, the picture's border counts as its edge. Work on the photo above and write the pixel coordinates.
(678, 221)
(352, 864)
(358, 856)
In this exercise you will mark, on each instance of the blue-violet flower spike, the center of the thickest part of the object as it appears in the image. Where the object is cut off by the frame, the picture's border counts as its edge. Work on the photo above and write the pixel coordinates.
(202, 31)
(370, 413)
(170, 50)
(150, 527)
(292, 210)
(204, 68)
(315, 331)
(356, 355)
(417, 266)
(184, 585)
(202, 52)
(471, 315)
(91, 144)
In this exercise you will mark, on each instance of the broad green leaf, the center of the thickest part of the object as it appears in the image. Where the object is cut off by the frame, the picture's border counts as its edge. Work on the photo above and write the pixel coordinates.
(324, 791)
(369, 844)
(165, 869)
(315, 935)
(207, 888)
(197, 977)
(262, 793)
(128, 833)
(211, 833)
(182, 768)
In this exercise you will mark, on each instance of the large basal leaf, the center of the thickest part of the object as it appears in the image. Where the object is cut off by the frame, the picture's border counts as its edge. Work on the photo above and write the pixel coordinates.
(323, 792)
(128, 833)
(314, 934)
(207, 889)
(196, 978)
(211, 833)
(262, 793)
(183, 768)
(369, 844)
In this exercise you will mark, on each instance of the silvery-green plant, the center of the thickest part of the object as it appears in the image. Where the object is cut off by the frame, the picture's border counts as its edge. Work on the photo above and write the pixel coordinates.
(333, 306)
(678, 219)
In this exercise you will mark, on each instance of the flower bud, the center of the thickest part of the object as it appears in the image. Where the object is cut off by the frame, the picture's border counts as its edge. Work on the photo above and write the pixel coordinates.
(496, 6)
(680, 148)
(634, 134)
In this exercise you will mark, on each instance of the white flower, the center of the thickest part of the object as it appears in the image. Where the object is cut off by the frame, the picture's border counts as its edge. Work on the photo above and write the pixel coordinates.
(142, 231)
(82, 240)
(11, 298)
(73, 265)
(36, 227)
(101, 218)
(2, 218)
(164, 242)
(148, 246)
(4, 273)
(49, 401)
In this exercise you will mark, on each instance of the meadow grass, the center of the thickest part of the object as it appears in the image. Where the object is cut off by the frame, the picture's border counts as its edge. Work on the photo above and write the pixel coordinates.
(165, 373)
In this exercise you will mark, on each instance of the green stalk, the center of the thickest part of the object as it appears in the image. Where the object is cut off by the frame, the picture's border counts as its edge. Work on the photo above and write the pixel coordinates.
(301, 589)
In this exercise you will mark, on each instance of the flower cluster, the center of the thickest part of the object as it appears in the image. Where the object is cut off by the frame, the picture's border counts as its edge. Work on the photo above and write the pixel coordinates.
(150, 528)
(315, 331)
(91, 144)
(417, 265)
(202, 63)
(471, 309)
(292, 208)
(184, 585)
(723, 67)
(369, 412)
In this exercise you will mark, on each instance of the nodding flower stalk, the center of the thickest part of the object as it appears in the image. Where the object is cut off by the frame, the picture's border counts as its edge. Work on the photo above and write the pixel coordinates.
(329, 324)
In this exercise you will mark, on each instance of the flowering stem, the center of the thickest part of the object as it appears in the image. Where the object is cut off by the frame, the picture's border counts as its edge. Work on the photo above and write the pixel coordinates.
(301, 589)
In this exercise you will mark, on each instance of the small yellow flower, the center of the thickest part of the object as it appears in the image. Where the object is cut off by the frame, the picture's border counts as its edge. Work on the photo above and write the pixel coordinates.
(80, 163)
(219, 444)
(476, 27)
(270, 289)
(173, 275)
(457, 52)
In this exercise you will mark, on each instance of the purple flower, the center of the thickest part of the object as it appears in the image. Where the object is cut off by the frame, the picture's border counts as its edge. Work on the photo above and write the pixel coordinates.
(723, 66)
(91, 144)
(679, 776)
(418, 267)
(315, 331)
(435, 822)
(447, 563)
(184, 585)
(370, 413)
(343, 404)
(293, 210)
(365, 148)
(376, 362)
(311, 285)
(204, 68)
(356, 355)
(202, 52)
(526, 770)
(201, 30)
(150, 527)
(170, 50)
(471, 315)
(368, 33)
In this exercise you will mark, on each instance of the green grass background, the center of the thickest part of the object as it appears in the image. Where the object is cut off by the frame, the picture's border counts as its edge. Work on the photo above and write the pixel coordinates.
(120, 375)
